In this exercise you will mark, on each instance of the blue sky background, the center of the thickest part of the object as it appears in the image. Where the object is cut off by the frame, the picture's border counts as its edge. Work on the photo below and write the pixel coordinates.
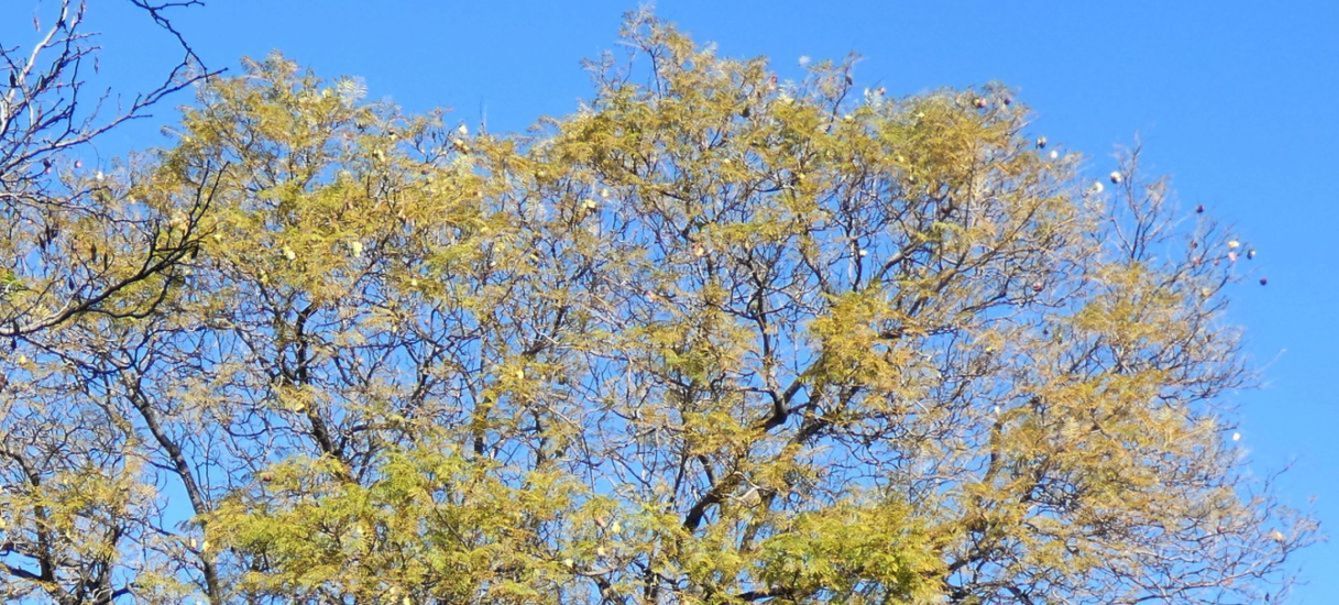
(1234, 100)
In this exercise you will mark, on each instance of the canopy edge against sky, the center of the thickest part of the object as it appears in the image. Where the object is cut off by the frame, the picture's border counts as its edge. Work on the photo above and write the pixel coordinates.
(1235, 101)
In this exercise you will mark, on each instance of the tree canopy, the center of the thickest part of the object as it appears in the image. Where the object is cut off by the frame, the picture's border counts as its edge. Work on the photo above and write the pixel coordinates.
(712, 338)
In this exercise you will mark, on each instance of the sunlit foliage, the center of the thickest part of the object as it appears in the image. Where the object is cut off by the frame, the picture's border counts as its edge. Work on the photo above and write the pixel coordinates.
(713, 338)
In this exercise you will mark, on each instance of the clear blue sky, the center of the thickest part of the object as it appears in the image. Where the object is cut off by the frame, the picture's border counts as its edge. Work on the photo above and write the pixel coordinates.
(1235, 100)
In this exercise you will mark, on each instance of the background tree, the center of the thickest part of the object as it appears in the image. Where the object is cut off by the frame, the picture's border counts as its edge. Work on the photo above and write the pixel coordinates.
(47, 116)
(77, 242)
(714, 338)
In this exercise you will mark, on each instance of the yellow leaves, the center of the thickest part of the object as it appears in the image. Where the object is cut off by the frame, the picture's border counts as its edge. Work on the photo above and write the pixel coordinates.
(991, 341)
(297, 398)
(855, 349)
(1131, 308)
(714, 429)
(941, 231)
(429, 523)
(1096, 437)
(849, 546)
(765, 228)
(512, 378)
(77, 511)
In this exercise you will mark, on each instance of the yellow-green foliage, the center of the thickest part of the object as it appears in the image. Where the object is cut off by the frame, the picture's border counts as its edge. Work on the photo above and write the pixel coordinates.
(429, 525)
(714, 338)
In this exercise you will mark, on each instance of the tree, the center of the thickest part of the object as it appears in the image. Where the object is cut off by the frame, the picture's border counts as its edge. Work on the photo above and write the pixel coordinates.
(76, 243)
(714, 338)
(46, 118)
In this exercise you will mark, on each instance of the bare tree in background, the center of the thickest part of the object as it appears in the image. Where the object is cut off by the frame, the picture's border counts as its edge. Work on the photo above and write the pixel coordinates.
(75, 242)
(49, 112)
